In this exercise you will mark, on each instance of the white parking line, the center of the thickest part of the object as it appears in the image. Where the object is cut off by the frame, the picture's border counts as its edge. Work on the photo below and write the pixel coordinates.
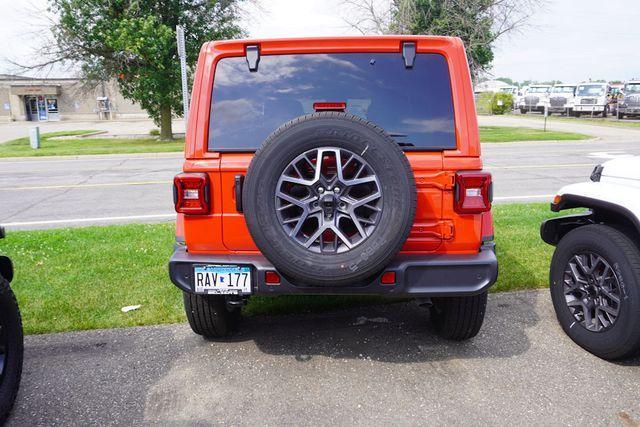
(104, 184)
(568, 165)
(85, 220)
(535, 196)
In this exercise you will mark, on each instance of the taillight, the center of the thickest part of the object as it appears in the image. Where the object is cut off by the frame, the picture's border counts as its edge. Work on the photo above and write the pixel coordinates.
(191, 193)
(329, 106)
(473, 192)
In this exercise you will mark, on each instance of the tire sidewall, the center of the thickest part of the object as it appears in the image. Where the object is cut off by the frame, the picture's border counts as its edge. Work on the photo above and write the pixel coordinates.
(10, 319)
(611, 342)
(340, 131)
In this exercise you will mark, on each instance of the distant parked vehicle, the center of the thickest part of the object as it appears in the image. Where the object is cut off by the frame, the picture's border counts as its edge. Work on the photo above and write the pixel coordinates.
(595, 270)
(562, 99)
(535, 99)
(629, 102)
(11, 344)
(592, 98)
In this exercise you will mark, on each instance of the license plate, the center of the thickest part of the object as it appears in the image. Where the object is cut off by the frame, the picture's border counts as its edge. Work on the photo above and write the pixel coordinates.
(222, 279)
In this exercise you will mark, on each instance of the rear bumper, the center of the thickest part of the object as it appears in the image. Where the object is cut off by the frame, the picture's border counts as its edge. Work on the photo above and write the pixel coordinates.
(416, 275)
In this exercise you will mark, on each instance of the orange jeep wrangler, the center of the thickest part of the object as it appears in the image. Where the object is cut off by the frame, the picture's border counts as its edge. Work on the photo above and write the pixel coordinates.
(342, 166)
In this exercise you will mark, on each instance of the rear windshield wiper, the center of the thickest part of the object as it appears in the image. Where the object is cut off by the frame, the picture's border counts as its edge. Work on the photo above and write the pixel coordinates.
(401, 135)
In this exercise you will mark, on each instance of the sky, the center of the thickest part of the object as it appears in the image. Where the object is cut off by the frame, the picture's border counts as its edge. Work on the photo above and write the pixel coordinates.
(567, 40)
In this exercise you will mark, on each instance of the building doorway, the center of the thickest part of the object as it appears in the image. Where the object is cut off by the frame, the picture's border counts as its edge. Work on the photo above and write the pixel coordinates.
(42, 108)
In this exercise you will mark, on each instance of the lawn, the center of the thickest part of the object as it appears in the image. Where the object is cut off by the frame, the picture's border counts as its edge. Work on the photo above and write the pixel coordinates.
(91, 145)
(512, 134)
(88, 145)
(80, 278)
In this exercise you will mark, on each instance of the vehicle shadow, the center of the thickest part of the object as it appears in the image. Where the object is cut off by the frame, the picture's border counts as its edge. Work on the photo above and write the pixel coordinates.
(395, 333)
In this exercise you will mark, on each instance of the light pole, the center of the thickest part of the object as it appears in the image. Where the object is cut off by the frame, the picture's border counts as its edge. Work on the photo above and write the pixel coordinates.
(183, 72)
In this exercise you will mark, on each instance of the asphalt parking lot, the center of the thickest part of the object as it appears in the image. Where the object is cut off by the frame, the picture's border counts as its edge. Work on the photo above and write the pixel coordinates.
(57, 192)
(376, 365)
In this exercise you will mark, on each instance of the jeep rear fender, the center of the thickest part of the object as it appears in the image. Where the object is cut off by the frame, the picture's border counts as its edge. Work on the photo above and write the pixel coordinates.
(600, 211)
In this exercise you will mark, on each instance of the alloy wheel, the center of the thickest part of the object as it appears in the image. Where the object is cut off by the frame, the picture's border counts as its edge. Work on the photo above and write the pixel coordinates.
(329, 200)
(592, 291)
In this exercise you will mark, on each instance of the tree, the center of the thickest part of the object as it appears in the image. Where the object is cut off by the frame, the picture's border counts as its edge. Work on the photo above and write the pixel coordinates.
(479, 23)
(134, 41)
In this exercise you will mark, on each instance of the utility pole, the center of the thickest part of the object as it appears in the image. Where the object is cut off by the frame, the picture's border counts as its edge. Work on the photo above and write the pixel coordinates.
(183, 71)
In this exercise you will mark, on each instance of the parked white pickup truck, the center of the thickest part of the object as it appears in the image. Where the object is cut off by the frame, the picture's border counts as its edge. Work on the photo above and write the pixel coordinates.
(592, 98)
(562, 99)
(595, 270)
(535, 99)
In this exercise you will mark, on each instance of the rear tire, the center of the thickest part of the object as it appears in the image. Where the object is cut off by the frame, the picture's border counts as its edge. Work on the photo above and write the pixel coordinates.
(299, 253)
(622, 338)
(12, 343)
(210, 316)
(459, 318)
(523, 111)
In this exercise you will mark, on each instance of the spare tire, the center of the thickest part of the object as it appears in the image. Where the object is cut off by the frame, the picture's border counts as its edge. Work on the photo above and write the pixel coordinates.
(329, 199)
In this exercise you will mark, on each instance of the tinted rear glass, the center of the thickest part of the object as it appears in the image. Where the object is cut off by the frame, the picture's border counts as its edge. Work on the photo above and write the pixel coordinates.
(414, 105)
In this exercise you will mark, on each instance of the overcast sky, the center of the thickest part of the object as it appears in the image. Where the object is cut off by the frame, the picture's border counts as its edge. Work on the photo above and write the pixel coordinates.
(569, 40)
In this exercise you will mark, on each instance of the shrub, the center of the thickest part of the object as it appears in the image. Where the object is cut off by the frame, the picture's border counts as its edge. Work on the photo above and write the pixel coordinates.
(507, 103)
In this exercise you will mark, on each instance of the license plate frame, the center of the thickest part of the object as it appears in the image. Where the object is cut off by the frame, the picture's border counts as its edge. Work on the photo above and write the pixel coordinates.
(222, 279)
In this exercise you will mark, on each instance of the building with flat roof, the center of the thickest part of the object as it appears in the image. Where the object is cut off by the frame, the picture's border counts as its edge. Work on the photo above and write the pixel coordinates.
(50, 99)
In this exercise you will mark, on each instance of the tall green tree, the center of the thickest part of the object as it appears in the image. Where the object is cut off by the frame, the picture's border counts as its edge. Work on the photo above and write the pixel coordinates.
(134, 41)
(479, 23)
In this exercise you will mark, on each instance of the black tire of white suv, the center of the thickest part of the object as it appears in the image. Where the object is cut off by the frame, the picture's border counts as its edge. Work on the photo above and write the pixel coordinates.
(11, 349)
(210, 316)
(621, 338)
(393, 187)
(458, 318)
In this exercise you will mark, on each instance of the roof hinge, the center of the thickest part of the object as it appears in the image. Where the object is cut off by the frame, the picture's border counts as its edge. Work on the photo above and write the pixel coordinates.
(252, 55)
(409, 53)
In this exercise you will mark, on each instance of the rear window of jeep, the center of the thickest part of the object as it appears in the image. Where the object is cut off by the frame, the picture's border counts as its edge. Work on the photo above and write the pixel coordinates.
(414, 105)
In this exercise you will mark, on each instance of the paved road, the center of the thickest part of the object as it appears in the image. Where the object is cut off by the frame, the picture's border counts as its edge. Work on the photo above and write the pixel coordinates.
(534, 171)
(41, 193)
(367, 366)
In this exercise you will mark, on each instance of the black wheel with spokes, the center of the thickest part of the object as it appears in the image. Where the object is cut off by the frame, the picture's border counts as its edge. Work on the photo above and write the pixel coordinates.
(595, 288)
(592, 291)
(11, 350)
(329, 199)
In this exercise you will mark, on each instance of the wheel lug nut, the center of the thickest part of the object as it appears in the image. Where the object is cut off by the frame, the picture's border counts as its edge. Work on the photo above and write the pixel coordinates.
(320, 190)
(336, 190)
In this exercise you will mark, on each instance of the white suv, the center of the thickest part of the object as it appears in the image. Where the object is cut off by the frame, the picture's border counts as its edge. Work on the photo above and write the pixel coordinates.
(534, 99)
(592, 98)
(595, 270)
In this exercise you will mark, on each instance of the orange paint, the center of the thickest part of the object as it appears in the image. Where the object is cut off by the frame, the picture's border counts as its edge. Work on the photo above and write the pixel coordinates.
(437, 227)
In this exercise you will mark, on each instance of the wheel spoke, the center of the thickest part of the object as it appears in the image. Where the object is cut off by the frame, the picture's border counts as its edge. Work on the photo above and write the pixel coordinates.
(610, 310)
(613, 297)
(291, 199)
